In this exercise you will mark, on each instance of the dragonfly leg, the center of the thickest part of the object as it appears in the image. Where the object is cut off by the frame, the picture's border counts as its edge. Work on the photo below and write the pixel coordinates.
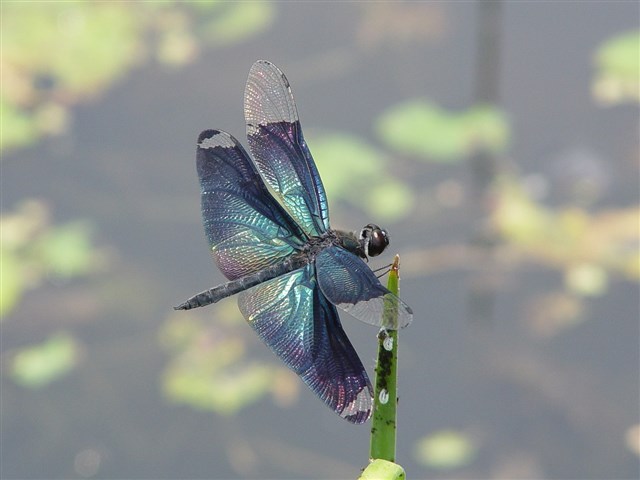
(384, 269)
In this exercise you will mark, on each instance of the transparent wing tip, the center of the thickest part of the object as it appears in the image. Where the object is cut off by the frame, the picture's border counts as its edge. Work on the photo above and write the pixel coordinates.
(401, 315)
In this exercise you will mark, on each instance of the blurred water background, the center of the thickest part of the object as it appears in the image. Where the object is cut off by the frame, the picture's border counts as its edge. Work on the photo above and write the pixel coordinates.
(497, 141)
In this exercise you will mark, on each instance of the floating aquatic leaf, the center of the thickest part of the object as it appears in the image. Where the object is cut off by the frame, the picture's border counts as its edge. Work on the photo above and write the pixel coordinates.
(422, 128)
(518, 217)
(66, 251)
(209, 369)
(13, 282)
(389, 200)
(343, 160)
(587, 279)
(79, 46)
(39, 365)
(177, 48)
(179, 333)
(32, 249)
(18, 127)
(238, 20)
(57, 54)
(445, 450)
(618, 76)
(222, 392)
(352, 168)
(569, 238)
(487, 129)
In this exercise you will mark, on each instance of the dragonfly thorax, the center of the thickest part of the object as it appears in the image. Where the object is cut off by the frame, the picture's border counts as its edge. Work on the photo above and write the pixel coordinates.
(339, 238)
(371, 242)
(331, 238)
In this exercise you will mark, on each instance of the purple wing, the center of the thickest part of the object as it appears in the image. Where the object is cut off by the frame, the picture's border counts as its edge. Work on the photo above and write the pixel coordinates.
(296, 321)
(247, 228)
(279, 150)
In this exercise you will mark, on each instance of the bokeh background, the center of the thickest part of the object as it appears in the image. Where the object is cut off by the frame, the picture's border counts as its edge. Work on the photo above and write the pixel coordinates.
(497, 141)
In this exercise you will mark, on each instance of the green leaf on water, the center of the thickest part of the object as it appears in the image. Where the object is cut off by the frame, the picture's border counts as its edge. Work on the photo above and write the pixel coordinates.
(223, 392)
(618, 69)
(66, 251)
(34, 249)
(345, 160)
(421, 128)
(389, 200)
(58, 54)
(209, 367)
(12, 284)
(81, 46)
(39, 365)
(236, 21)
(445, 450)
(18, 128)
(587, 279)
(353, 169)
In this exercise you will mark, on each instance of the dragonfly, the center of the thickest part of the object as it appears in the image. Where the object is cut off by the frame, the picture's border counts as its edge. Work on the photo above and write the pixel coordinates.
(266, 219)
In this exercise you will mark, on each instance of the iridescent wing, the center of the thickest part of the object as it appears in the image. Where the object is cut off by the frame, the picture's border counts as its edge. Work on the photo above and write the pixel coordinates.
(279, 150)
(247, 228)
(293, 318)
(347, 282)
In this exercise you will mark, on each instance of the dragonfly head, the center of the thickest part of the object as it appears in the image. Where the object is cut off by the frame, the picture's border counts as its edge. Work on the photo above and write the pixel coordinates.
(373, 240)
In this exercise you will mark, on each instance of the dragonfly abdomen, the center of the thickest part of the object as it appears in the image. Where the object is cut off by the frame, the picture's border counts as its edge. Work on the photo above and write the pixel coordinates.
(241, 284)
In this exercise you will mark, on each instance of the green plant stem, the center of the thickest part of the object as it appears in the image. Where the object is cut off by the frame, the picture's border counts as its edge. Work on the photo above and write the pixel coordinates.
(383, 427)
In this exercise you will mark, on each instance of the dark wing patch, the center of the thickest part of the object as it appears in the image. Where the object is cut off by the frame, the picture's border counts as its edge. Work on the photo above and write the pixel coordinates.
(247, 228)
(293, 318)
(347, 282)
(279, 150)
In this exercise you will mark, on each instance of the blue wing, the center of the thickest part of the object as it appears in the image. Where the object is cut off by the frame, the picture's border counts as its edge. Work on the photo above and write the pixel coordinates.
(279, 150)
(293, 318)
(347, 282)
(247, 228)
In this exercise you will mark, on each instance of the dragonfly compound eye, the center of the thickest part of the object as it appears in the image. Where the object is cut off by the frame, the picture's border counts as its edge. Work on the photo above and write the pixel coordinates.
(374, 240)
